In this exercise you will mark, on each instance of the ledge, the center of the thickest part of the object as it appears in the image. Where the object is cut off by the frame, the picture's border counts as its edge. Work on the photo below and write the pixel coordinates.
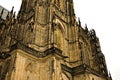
(81, 69)
(38, 54)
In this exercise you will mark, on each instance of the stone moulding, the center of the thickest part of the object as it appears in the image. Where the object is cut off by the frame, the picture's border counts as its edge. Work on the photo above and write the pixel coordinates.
(38, 54)
(81, 69)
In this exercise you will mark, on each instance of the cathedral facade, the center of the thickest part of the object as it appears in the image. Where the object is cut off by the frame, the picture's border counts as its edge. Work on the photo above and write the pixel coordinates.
(46, 42)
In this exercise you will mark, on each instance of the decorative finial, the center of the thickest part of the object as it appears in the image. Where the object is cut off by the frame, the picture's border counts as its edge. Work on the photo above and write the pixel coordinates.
(12, 9)
(79, 22)
(14, 14)
(110, 75)
(94, 32)
(8, 15)
(86, 28)
(85, 25)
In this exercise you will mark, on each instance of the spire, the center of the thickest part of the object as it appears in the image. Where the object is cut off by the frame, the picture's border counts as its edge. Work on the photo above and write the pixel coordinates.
(13, 20)
(85, 25)
(110, 75)
(14, 14)
(86, 28)
(8, 16)
(94, 32)
(12, 10)
(79, 22)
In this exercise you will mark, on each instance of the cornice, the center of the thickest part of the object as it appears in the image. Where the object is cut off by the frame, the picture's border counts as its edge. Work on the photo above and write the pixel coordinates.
(81, 69)
(38, 54)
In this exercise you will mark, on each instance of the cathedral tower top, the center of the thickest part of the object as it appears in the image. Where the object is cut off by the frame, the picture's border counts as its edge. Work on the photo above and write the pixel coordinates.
(47, 8)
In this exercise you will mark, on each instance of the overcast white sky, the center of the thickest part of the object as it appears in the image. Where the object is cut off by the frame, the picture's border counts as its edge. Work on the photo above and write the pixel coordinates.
(104, 17)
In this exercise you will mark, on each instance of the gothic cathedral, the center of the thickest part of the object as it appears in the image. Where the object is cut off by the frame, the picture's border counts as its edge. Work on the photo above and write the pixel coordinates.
(46, 42)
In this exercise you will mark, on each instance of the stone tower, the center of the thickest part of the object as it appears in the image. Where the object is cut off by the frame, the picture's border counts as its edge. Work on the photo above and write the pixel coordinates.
(45, 42)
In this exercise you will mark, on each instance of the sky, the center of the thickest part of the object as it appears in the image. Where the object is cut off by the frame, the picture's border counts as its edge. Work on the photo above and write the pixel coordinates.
(101, 15)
